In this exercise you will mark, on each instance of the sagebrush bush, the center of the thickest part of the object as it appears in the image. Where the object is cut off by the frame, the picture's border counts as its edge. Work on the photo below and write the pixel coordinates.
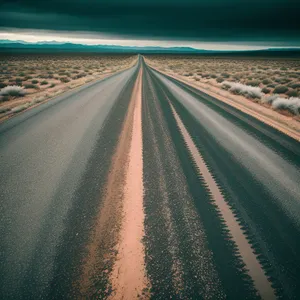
(266, 81)
(280, 89)
(253, 83)
(220, 79)
(242, 89)
(34, 81)
(30, 86)
(266, 90)
(225, 75)
(291, 104)
(44, 82)
(295, 85)
(292, 93)
(13, 91)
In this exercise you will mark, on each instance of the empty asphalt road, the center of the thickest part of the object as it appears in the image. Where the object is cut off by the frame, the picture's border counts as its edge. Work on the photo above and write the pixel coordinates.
(141, 186)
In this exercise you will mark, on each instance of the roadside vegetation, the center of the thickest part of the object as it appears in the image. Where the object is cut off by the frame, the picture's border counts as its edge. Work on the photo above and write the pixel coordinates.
(28, 79)
(271, 82)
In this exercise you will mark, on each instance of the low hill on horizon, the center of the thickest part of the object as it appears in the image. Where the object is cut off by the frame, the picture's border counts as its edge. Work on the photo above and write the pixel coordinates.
(54, 46)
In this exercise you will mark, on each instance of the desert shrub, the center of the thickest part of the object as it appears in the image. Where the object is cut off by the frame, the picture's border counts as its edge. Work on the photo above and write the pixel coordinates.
(266, 81)
(271, 85)
(226, 85)
(64, 79)
(283, 80)
(52, 85)
(253, 83)
(13, 91)
(292, 93)
(266, 90)
(295, 85)
(2, 85)
(225, 75)
(220, 79)
(34, 81)
(291, 104)
(292, 75)
(280, 89)
(245, 90)
(30, 86)
(44, 82)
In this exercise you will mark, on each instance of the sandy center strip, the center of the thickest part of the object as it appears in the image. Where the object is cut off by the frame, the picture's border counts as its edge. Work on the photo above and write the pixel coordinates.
(101, 249)
(128, 276)
(255, 270)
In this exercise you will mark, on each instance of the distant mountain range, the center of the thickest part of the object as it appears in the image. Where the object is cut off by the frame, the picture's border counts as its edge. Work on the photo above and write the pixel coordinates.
(54, 46)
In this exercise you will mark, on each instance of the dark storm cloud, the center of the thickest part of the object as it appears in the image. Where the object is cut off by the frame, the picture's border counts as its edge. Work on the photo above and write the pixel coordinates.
(205, 20)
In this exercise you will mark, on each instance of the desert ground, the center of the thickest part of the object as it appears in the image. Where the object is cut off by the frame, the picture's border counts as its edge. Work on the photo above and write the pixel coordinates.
(40, 77)
(271, 82)
(145, 185)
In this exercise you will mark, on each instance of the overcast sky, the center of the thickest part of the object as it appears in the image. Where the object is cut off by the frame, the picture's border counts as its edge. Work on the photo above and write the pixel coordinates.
(207, 24)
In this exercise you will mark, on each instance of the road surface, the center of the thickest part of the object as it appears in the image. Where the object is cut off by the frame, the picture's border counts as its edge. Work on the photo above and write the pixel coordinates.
(139, 186)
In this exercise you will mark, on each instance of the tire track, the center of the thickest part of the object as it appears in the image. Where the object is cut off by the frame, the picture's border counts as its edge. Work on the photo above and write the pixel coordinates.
(255, 270)
(193, 272)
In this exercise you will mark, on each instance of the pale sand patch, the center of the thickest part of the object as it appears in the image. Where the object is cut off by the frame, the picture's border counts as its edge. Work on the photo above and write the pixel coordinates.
(286, 124)
(128, 276)
(106, 231)
(255, 270)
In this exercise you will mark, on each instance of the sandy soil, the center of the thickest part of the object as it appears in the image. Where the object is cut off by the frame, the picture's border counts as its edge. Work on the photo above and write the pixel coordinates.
(128, 275)
(254, 268)
(105, 235)
(286, 124)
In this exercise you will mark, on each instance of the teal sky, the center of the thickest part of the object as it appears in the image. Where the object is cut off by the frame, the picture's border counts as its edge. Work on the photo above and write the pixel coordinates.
(199, 23)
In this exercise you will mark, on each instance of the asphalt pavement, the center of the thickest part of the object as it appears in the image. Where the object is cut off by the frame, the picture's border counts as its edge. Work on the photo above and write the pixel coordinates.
(56, 157)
